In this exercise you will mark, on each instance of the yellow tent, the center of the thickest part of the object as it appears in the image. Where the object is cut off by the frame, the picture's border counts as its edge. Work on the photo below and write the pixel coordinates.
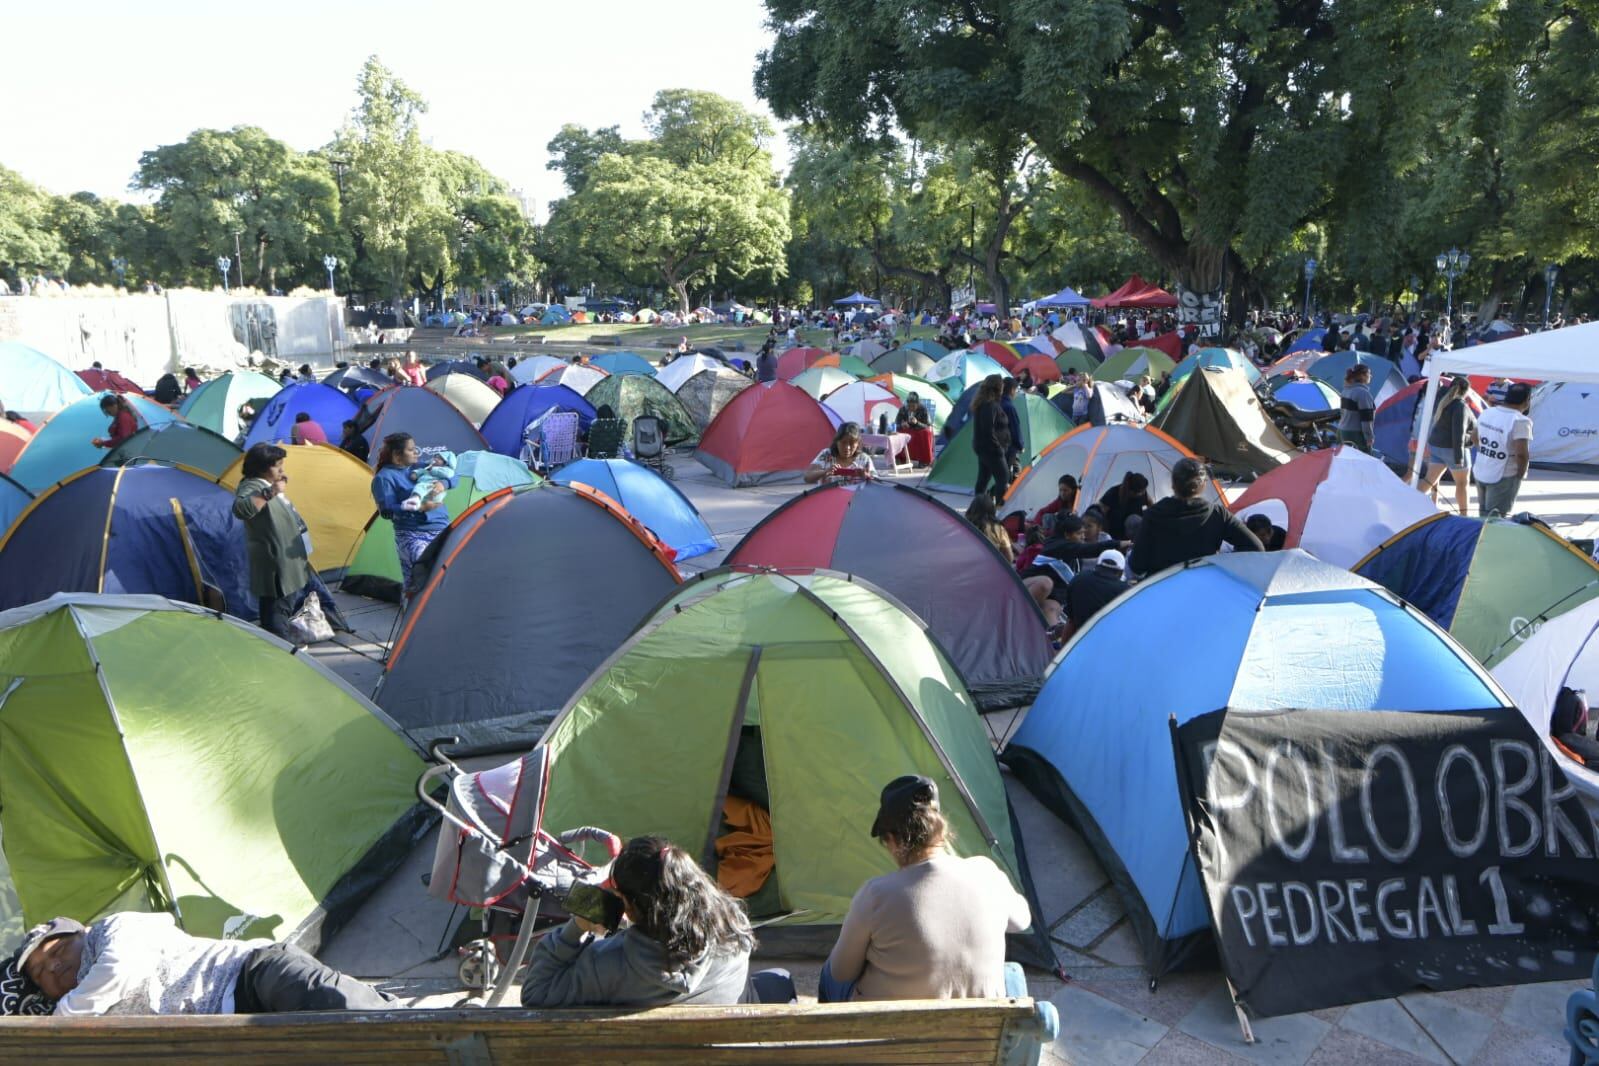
(467, 394)
(331, 489)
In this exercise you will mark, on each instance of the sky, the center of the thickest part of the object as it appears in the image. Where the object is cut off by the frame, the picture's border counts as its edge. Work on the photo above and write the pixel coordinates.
(106, 80)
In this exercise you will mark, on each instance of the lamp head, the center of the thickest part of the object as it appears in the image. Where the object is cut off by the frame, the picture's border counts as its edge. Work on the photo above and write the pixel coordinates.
(1442, 261)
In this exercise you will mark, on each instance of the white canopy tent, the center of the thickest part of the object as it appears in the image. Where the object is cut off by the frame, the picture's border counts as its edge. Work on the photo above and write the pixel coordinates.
(1563, 355)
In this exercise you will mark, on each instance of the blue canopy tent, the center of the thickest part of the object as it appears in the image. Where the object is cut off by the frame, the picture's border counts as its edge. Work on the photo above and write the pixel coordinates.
(1282, 630)
(1067, 297)
(502, 430)
(857, 300)
(155, 529)
(327, 406)
(14, 499)
(623, 363)
(62, 445)
(33, 383)
(647, 496)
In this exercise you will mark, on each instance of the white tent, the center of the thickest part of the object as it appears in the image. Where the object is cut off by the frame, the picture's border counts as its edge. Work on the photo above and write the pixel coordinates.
(1561, 355)
(533, 366)
(1565, 418)
(679, 370)
(1563, 651)
(863, 402)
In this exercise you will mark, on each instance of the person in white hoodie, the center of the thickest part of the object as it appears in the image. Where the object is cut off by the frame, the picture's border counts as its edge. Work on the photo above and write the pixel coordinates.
(685, 941)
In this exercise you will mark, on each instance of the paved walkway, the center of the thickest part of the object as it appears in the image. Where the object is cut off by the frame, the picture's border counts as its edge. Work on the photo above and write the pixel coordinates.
(1109, 1016)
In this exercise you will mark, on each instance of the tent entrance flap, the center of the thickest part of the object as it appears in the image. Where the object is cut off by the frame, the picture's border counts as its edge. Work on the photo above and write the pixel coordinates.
(734, 732)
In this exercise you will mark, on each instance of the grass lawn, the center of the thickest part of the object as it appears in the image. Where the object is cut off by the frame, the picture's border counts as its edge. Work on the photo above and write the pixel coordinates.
(631, 335)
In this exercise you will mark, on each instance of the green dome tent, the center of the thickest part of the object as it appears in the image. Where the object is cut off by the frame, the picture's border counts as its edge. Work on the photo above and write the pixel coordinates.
(215, 404)
(805, 694)
(1075, 359)
(374, 567)
(179, 443)
(1131, 363)
(936, 400)
(632, 395)
(955, 469)
(240, 786)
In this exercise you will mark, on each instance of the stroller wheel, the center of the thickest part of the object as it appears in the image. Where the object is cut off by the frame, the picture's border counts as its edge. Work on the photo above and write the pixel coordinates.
(472, 971)
(667, 472)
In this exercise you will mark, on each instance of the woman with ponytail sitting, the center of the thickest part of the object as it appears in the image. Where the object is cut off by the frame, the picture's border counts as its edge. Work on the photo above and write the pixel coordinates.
(933, 929)
(685, 941)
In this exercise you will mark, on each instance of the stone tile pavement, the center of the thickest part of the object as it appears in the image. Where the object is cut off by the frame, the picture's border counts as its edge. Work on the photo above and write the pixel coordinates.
(1109, 1015)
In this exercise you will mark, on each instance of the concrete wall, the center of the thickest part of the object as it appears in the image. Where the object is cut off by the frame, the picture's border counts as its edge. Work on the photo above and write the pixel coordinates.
(145, 336)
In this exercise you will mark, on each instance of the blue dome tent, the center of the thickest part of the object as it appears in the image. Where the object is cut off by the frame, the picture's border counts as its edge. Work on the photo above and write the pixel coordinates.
(1281, 630)
(14, 499)
(327, 406)
(33, 383)
(502, 430)
(1386, 380)
(1308, 341)
(165, 530)
(623, 363)
(429, 418)
(648, 497)
(63, 445)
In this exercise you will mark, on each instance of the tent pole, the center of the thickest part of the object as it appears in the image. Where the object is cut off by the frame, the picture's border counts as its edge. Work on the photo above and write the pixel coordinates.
(1429, 401)
(1243, 1018)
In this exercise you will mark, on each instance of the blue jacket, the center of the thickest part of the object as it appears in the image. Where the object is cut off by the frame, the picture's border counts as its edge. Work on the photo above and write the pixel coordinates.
(391, 486)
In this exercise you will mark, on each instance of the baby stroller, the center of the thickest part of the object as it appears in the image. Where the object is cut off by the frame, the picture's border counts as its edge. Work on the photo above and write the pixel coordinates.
(649, 446)
(493, 853)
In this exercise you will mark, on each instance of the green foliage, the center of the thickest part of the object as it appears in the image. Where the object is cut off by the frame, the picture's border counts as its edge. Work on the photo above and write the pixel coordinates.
(696, 203)
(29, 244)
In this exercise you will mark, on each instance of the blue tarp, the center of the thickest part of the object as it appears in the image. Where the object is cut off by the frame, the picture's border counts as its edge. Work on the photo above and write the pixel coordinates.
(33, 383)
(502, 430)
(66, 544)
(327, 406)
(62, 446)
(647, 496)
(1279, 630)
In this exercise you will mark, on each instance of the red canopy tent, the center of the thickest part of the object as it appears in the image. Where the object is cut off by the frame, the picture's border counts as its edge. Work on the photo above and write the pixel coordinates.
(1137, 293)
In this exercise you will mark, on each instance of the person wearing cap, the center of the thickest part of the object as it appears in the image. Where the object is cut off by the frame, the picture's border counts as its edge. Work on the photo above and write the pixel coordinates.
(134, 963)
(1504, 442)
(1095, 587)
(1185, 526)
(935, 927)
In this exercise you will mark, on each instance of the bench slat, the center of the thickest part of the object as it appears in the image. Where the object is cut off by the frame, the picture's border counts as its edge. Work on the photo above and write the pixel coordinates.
(942, 1031)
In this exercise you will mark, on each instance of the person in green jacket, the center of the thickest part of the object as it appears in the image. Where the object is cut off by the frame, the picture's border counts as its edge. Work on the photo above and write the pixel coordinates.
(275, 538)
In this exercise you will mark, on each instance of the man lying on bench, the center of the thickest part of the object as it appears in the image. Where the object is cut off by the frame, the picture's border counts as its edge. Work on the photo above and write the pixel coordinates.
(143, 964)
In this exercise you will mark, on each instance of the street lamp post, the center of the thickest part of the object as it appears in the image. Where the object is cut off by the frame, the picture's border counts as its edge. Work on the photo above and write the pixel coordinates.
(1310, 273)
(1550, 273)
(1451, 265)
(331, 262)
(120, 265)
(224, 264)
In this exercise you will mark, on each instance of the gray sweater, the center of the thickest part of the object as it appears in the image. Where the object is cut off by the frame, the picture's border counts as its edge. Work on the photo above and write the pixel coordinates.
(627, 969)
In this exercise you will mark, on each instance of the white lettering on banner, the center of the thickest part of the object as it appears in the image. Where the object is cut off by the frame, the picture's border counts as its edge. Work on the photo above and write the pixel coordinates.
(1462, 848)
(1293, 792)
(1297, 913)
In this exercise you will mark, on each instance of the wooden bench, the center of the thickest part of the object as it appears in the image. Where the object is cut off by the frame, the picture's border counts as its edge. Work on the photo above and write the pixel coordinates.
(1008, 1032)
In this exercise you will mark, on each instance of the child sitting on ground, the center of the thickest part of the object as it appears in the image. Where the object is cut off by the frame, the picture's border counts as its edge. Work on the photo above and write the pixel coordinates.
(431, 479)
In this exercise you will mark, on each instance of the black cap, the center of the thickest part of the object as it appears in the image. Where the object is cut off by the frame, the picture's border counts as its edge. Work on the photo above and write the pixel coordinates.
(1520, 392)
(899, 796)
(47, 931)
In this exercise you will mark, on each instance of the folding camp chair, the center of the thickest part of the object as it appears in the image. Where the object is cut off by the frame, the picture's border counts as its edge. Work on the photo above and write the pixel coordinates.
(649, 445)
(606, 436)
(552, 439)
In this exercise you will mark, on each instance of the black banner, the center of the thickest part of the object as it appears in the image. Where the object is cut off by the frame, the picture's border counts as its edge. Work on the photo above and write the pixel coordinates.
(1351, 856)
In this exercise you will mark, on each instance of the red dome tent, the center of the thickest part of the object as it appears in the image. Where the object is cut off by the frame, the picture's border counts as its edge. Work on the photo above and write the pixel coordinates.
(796, 361)
(965, 593)
(1137, 293)
(108, 381)
(1003, 354)
(768, 432)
